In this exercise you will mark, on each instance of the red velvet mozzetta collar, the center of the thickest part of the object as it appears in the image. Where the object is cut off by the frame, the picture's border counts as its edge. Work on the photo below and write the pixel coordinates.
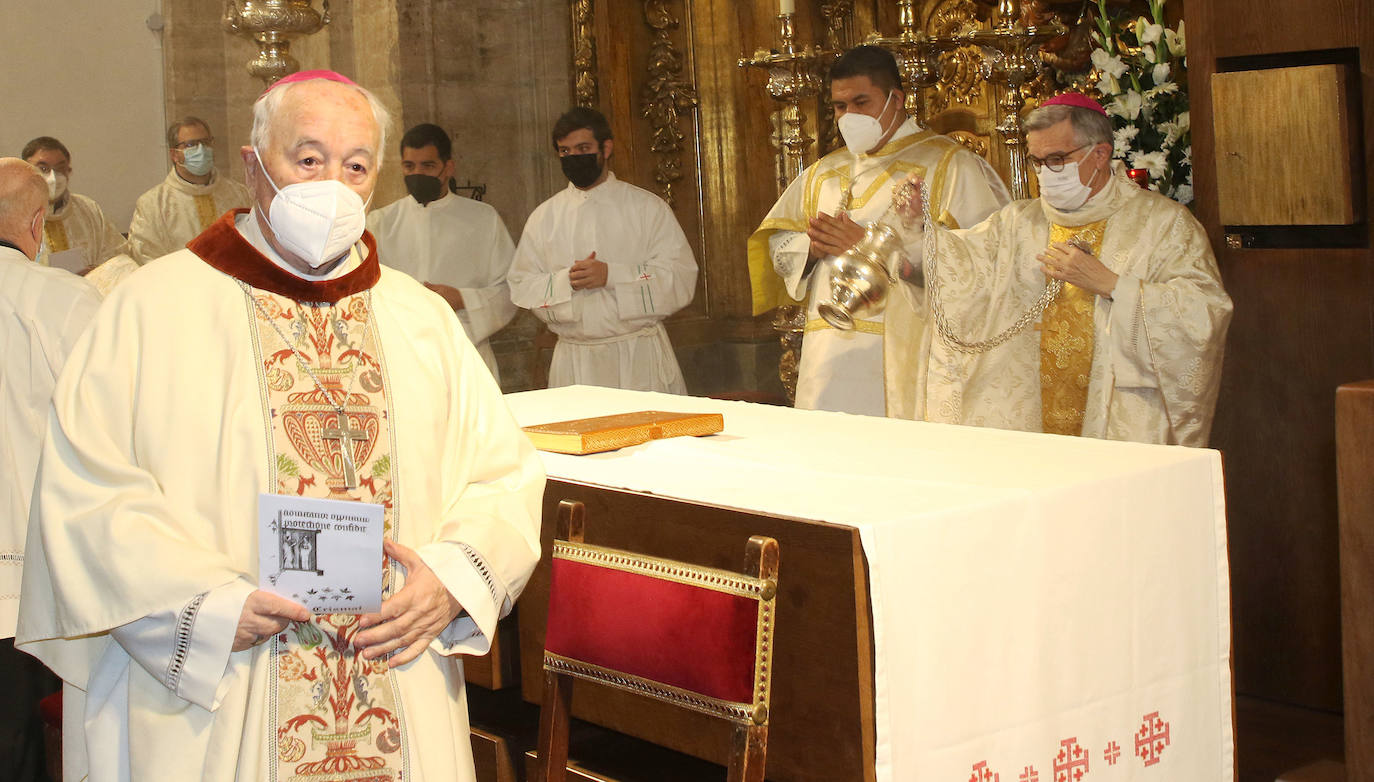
(223, 247)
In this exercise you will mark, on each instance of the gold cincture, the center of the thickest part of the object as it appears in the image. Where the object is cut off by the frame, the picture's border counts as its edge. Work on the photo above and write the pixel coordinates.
(271, 24)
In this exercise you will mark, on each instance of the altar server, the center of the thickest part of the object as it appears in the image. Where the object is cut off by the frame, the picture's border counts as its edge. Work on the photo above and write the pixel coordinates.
(456, 246)
(275, 356)
(603, 263)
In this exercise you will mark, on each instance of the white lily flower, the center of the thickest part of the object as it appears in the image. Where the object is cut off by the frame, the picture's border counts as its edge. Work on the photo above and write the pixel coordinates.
(1108, 85)
(1148, 52)
(1154, 162)
(1177, 43)
(1151, 32)
(1127, 106)
(1108, 64)
(1160, 74)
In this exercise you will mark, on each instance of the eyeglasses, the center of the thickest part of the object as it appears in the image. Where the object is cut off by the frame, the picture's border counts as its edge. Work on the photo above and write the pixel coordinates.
(1057, 161)
(195, 142)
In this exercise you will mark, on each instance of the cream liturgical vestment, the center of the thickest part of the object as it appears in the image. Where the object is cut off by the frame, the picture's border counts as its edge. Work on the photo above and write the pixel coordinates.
(1144, 365)
(182, 403)
(79, 224)
(458, 242)
(853, 371)
(176, 211)
(43, 311)
(613, 335)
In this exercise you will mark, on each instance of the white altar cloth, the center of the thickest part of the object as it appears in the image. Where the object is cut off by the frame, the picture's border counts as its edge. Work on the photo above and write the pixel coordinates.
(1045, 608)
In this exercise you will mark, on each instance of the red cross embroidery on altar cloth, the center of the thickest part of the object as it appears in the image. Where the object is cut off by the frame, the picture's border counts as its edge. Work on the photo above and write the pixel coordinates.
(1071, 764)
(1029, 774)
(1112, 754)
(981, 773)
(646, 276)
(1152, 738)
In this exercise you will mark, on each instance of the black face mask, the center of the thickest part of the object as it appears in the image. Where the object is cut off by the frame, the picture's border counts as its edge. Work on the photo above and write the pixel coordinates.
(424, 188)
(582, 170)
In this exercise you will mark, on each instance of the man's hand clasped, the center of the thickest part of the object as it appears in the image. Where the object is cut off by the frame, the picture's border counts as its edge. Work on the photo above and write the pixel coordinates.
(587, 273)
(1073, 264)
(833, 235)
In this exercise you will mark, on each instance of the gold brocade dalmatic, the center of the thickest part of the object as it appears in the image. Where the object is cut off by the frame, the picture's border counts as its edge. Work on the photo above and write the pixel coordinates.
(1066, 342)
(335, 716)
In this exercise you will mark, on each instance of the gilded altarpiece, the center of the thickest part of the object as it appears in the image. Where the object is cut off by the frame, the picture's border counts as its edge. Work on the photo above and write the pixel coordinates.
(704, 133)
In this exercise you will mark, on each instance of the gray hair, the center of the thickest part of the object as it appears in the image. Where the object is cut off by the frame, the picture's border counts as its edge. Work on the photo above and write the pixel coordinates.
(1089, 127)
(266, 108)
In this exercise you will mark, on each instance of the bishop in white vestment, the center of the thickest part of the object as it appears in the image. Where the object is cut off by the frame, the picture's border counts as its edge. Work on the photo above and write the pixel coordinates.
(1129, 349)
(865, 370)
(602, 263)
(275, 355)
(458, 242)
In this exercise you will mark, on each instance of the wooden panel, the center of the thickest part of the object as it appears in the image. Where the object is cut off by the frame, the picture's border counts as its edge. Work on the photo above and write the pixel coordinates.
(491, 757)
(1302, 327)
(1283, 135)
(1355, 461)
(821, 725)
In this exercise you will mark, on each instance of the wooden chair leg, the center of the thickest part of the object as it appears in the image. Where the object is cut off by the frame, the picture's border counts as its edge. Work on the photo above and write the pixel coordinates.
(554, 716)
(748, 753)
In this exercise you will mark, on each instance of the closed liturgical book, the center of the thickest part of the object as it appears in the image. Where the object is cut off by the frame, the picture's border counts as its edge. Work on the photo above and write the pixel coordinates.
(609, 432)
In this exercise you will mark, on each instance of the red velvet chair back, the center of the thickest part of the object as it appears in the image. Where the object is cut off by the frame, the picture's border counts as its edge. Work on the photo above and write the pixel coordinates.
(699, 638)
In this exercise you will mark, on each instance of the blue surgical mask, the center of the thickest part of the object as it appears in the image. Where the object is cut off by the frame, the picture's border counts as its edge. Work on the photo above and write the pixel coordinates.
(199, 160)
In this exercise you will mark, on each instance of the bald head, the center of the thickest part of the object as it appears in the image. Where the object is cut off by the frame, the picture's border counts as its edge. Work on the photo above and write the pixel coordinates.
(23, 205)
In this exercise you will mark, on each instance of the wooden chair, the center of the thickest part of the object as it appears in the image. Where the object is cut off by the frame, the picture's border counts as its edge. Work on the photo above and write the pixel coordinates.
(695, 637)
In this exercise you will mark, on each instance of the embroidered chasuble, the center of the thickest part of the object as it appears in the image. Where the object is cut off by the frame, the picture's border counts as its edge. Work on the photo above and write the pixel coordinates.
(872, 369)
(175, 211)
(337, 715)
(1066, 342)
(193, 392)
(1143, 365)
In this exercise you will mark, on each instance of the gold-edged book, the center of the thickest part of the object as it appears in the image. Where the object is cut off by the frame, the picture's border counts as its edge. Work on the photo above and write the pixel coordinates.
(609, 432)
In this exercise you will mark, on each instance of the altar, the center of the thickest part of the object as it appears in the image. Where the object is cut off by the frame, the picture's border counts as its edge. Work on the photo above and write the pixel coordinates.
(1039, 608)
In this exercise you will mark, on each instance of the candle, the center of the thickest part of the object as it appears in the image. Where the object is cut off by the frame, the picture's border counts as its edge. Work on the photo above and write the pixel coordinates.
(787, 7)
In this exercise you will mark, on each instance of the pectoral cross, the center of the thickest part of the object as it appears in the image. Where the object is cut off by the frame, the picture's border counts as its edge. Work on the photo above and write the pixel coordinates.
(346, 436)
